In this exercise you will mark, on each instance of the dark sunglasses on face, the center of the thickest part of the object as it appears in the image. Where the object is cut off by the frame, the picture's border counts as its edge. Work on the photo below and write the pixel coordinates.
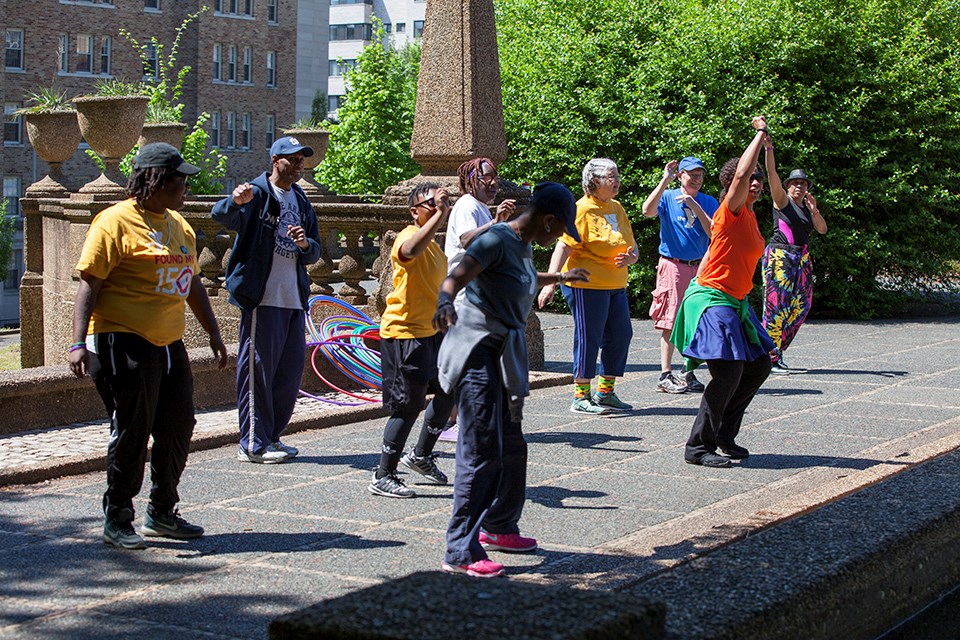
(429, 202)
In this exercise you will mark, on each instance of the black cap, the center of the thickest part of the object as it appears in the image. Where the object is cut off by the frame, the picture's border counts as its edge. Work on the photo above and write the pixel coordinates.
(551, 197)
(161, 154)
(799, 174)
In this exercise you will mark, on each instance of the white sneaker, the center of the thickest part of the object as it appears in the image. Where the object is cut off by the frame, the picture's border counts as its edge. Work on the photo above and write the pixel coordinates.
(287, 449)
(270, 455)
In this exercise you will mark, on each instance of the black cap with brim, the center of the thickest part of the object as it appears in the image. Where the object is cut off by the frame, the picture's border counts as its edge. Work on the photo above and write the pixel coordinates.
(551, 197)
(161, 154)
(799, 174)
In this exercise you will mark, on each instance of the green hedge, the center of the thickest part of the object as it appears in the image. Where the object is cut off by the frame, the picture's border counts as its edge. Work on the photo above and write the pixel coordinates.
(864, 95)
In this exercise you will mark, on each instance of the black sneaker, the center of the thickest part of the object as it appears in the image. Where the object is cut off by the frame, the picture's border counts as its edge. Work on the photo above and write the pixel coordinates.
(425, 466)
(169, 525)
(391, 486)
(709, 460)
(122, 535)
(735, 451)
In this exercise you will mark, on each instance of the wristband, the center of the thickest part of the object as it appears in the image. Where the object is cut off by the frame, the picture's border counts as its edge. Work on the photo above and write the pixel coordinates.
(77, 346)
(444, 299)
(764, 130)
(560, 278)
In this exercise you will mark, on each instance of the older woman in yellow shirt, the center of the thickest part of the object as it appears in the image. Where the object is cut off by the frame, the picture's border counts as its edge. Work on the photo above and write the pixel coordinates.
(601, 313)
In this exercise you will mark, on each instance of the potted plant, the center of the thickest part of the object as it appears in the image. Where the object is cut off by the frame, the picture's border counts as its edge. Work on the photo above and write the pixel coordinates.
(310, 132)
(162, 124)
(111, 121)
(54, 134)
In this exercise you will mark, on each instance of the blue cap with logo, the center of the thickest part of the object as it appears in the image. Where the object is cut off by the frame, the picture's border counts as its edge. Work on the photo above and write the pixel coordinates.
(691, 162)
(551, 197)
(288, 145)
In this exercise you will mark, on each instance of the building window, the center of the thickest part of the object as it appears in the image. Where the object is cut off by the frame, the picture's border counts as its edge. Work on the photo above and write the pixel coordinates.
(231, 130)
(340, 67)
(401, 27)
(272, 11)
(358, 31)
(84, 53)
(218, 6)
(13, 273)
(247, 63)
(418, 28)
(248, 7)
(217, 60)
(232, 64)
(151, 5)
(151, 67)
(245, 131)
(272, 69)
(11, 191)
(334, 102)
(12, 125)
(215, 129)
(270, 130)
(233, 6)
(335, 2)
(64, 50)
(106, 55)
(388, 28)
(13, 58)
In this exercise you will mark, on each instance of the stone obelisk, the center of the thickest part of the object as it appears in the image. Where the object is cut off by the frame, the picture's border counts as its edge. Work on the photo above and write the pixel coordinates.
(459, 112)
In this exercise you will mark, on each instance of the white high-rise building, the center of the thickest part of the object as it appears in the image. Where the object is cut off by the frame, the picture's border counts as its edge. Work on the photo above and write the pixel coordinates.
(351, 29)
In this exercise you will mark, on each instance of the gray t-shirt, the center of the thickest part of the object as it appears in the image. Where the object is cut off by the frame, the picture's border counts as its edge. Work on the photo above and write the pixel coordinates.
(281, 289)
(508, 283)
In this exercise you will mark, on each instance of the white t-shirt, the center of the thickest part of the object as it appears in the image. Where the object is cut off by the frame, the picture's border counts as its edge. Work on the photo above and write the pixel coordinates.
(281, 290)
(467, 214)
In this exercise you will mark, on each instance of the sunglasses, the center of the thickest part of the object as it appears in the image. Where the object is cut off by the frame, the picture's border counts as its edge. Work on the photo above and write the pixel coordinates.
(429, 202)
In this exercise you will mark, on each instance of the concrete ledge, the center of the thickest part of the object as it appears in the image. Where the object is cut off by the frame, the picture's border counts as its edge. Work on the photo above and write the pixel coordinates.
(851, 569)
(432, 605)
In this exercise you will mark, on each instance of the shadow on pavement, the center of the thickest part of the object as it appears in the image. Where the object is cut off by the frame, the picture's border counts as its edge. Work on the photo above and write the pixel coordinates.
(855, 372)
(553, 497)
(579, 440)
(783, 461)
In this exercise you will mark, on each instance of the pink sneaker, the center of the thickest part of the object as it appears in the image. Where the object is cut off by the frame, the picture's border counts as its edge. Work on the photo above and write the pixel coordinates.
(510, 542)
(485, 568)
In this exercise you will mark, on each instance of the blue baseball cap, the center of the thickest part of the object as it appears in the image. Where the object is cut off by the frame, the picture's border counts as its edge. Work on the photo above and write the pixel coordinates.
(288, 145)
(691, 162)
(551, 197)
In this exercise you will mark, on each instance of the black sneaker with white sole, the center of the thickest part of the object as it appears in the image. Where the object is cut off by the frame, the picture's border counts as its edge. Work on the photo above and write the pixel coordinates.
(425, 466)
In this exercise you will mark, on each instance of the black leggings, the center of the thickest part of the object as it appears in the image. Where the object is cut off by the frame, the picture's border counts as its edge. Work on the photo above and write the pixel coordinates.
(732, 386)
(401, 423)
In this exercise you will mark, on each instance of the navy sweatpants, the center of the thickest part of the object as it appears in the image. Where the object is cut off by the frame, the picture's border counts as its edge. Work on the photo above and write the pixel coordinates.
(491, 481)
(269, 370)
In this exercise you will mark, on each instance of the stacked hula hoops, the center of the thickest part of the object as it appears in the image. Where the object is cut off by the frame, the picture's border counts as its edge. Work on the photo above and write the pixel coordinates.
(340, 339)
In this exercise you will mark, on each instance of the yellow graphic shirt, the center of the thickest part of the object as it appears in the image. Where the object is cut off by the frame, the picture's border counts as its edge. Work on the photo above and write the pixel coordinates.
(147, 261)
(604, 231)
(416, 287)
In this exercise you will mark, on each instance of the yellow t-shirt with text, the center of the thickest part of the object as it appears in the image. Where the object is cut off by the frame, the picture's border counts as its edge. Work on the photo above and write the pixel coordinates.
(416, 287)
(604, 232)
(147, 261)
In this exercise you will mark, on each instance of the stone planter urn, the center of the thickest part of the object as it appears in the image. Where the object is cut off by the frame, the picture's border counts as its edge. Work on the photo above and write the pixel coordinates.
(111, 126)
(169, 132)
(318, 140)
(54, 135)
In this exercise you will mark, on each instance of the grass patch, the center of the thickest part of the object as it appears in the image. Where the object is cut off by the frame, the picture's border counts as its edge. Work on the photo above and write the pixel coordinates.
(10, 357)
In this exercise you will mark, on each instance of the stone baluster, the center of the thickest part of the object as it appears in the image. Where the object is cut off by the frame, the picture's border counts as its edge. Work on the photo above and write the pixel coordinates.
(321, 270)
(211, 250)
(352, 269)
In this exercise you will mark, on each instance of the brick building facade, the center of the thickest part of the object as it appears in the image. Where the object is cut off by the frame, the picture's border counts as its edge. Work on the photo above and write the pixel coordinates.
(243, 55)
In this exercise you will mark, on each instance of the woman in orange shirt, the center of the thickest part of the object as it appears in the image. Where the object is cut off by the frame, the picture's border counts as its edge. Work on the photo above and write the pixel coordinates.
(715, 323)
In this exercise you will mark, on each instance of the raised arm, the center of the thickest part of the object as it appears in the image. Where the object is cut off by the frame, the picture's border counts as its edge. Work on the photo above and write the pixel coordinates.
(740, 186)
(418, 242)
(776, 186)
(652, 202)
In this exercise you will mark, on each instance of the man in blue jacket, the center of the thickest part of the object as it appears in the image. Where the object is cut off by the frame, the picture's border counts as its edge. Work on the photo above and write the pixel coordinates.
(277, 236)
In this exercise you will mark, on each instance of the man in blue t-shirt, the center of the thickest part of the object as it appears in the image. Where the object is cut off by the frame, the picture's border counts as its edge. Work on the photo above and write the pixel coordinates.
(685, 220)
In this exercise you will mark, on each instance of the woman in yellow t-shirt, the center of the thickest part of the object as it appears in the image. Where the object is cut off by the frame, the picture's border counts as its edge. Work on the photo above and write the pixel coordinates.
(138, 267)
(601, 312)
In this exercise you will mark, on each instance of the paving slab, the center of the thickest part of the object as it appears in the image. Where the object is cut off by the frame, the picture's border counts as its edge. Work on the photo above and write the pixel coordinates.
(610, 498)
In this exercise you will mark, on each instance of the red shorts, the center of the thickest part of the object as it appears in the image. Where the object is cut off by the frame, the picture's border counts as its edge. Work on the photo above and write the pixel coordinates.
(672, 281)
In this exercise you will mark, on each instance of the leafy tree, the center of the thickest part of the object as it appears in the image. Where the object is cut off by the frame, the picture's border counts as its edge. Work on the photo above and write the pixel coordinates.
(370, 147)
(318, 108)
(864, 94)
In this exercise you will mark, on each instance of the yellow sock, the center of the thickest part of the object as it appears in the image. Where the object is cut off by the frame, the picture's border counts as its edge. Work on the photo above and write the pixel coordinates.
(605, 385)
(581, 390)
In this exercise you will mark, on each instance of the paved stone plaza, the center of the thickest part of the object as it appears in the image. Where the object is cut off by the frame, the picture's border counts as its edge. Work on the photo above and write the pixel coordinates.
(610, 498)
